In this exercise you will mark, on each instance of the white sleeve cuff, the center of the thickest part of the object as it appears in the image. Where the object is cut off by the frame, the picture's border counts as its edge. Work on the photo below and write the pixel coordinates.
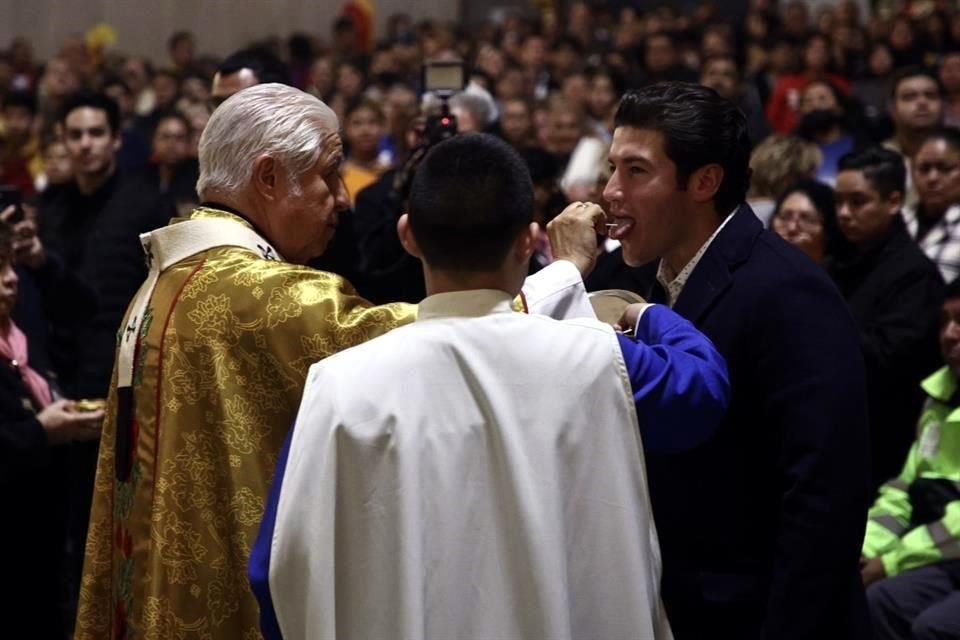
(557, 291)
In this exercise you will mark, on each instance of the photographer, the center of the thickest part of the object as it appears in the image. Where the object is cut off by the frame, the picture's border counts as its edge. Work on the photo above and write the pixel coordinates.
(388, 273)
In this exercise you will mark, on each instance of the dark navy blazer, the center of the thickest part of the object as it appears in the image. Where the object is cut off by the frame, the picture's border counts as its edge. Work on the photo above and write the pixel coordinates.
(761, 527)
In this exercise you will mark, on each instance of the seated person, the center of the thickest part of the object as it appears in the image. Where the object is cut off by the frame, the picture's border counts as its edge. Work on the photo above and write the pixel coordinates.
(912, 543)
(805, 216)
(894, 292)
(479, 473)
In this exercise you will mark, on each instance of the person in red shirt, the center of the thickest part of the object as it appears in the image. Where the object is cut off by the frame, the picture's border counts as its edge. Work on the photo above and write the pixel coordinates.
(783, 109)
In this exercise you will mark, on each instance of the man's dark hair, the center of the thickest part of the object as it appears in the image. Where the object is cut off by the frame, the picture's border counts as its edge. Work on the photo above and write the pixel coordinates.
(99, 101)
(264, 65)
(567, 41)
(300, 47)
(699, 128)
(342, 25)
(470, 198)
(171, 114)
(21, 99)
(722, 57)
(116, 81)
(882, 168)
(177, 38)
(362, 102)
(239, 61)
(914, 71)
(952, 290)
(950, 135)
(617, 79)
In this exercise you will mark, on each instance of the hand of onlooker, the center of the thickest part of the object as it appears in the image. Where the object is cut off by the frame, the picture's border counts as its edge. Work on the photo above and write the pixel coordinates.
(573, 235)
(64, 424)
(871, 571)
(27, 247)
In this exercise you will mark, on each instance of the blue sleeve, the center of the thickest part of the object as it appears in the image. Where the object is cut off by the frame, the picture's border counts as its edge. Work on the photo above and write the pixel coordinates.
(680, 384)
(259, 568)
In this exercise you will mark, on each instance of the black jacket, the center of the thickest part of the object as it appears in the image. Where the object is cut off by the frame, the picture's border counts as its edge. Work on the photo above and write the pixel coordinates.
(35, 478)
(99, 238)
(761, 528)
(895, 294)
(181, 192)
(390, 273)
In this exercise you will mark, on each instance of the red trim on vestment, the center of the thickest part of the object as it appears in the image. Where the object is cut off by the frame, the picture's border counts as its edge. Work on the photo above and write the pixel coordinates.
(163, 336)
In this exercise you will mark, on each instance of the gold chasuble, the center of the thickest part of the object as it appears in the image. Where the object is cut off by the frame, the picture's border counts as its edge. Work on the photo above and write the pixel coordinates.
(219, 365)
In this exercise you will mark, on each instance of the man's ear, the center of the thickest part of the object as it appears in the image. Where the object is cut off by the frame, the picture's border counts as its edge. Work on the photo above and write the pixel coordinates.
(705, 182)
(407, 239)
(266, 177)
(526, 242)
(894, 203)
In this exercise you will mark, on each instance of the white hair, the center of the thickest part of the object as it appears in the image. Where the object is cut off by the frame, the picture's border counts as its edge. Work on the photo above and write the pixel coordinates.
(266, 119)
(482, 107)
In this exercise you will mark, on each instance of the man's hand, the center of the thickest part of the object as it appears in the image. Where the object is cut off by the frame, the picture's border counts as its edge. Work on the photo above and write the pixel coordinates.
(27, 247)
(64, 424)
(573, 235)
(871, 570)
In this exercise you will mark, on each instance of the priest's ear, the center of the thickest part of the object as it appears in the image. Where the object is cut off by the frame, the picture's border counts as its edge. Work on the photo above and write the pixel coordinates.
(266, 177)
(407, 239)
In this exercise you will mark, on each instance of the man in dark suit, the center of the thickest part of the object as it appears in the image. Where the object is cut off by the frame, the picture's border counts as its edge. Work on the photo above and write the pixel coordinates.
(761, 527)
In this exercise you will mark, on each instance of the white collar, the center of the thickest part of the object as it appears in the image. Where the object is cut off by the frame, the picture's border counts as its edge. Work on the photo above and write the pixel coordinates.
(471, 303)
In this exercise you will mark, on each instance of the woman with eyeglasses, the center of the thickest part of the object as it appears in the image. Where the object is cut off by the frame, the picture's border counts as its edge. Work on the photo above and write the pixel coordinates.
(934, 222)
(804, 216)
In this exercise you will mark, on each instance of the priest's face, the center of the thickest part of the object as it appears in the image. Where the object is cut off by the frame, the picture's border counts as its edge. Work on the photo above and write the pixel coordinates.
(309, 209)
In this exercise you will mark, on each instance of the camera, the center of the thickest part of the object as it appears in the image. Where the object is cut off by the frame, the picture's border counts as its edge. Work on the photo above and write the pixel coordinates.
(442, 78)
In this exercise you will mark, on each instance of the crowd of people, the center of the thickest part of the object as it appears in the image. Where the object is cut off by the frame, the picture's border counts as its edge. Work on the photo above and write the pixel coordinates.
(788, 185)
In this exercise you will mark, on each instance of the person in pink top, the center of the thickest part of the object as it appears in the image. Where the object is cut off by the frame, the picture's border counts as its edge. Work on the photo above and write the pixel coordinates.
(35, 429)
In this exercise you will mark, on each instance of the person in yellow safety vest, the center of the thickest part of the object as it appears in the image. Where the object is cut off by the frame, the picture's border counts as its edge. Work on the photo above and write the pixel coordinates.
(911, 552)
